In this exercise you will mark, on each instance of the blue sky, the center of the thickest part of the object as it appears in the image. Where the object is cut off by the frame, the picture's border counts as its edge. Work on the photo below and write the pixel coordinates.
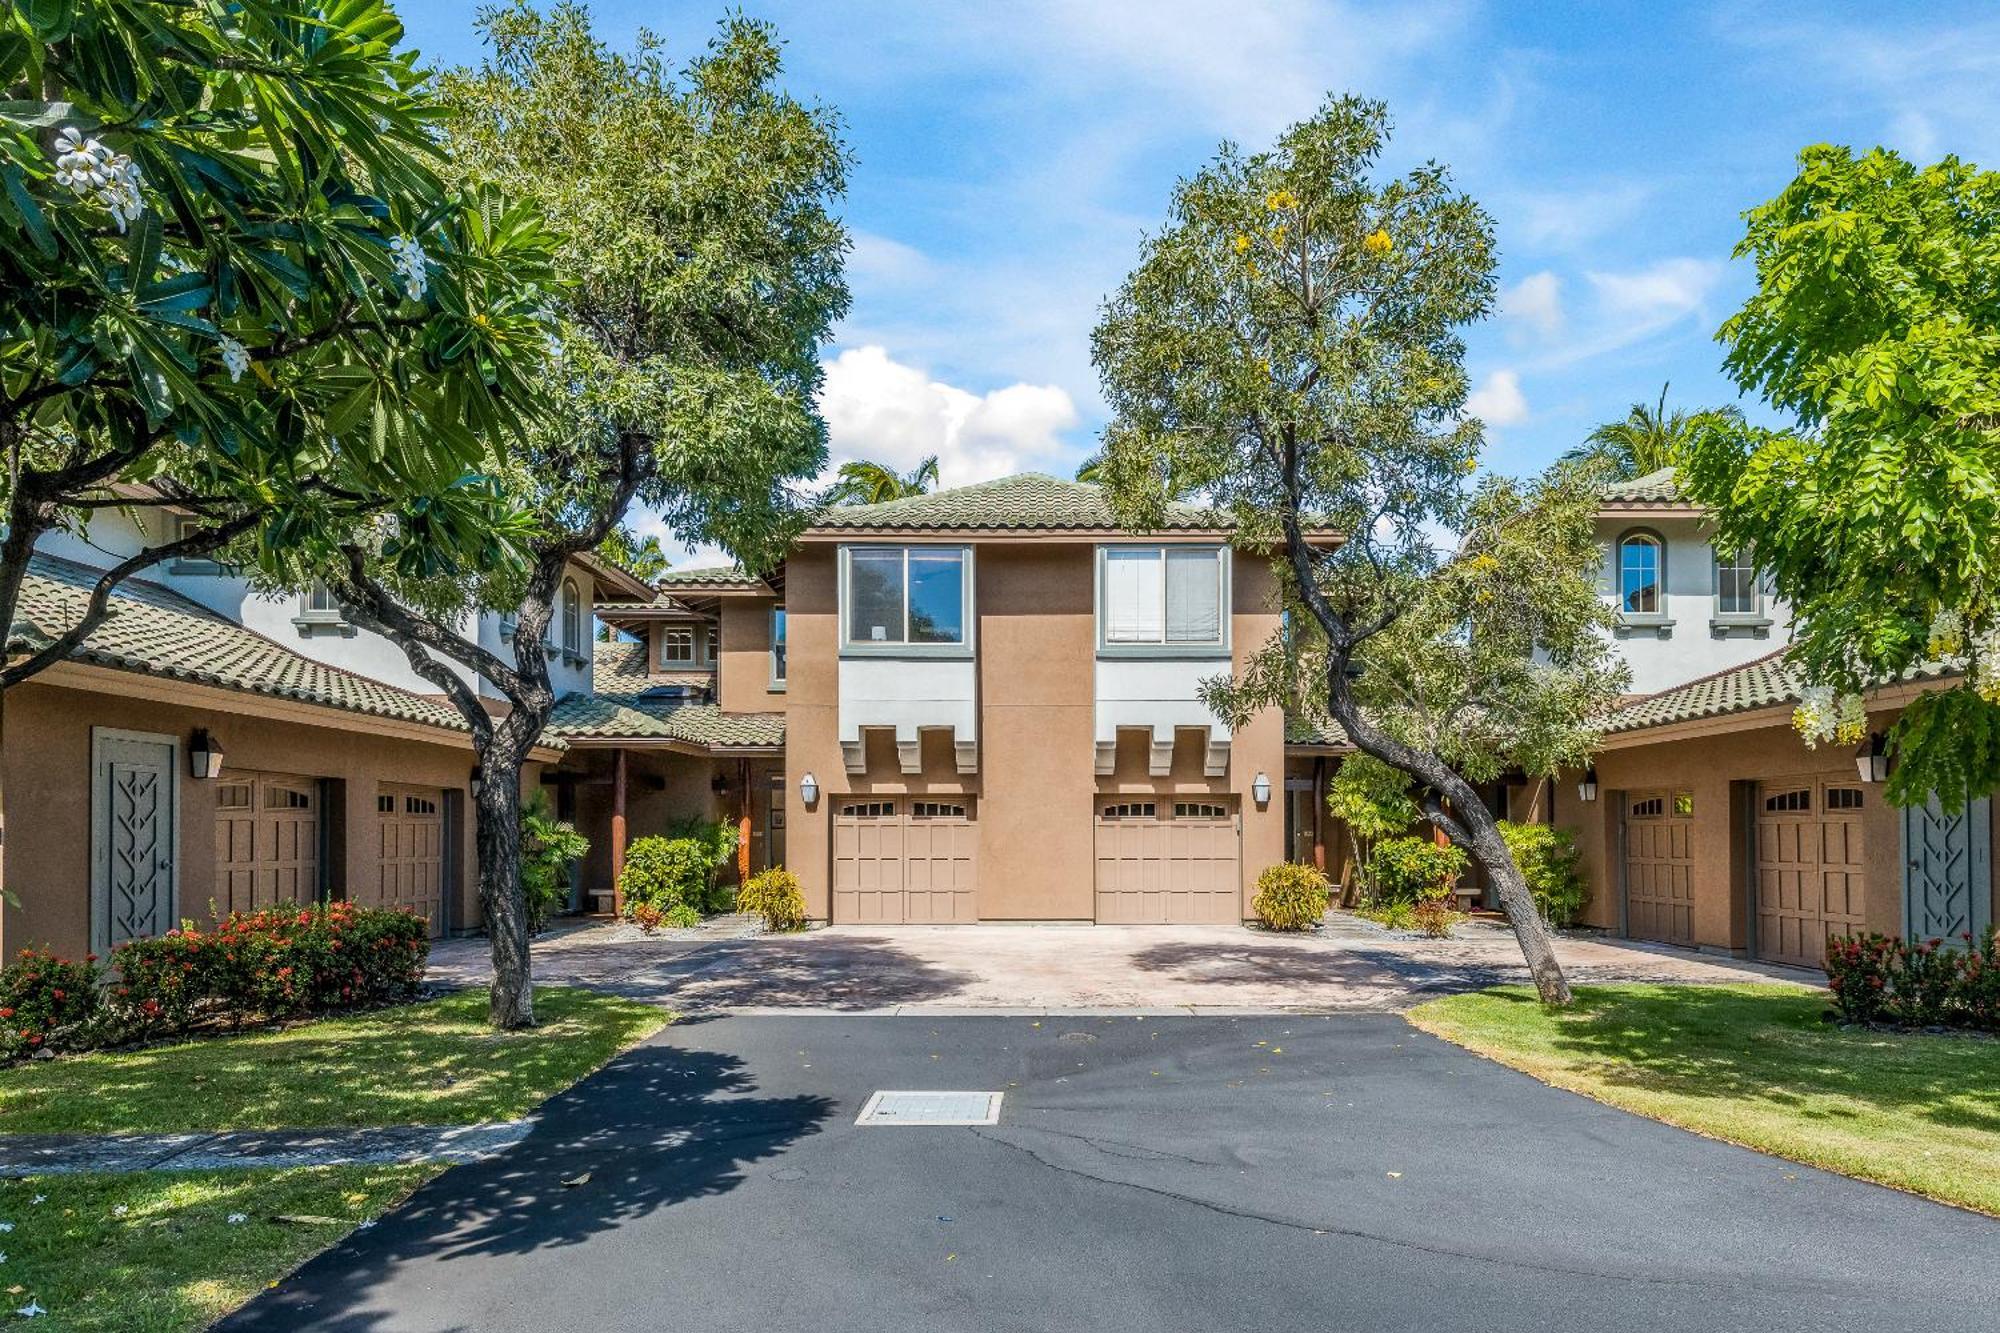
(1009, 157)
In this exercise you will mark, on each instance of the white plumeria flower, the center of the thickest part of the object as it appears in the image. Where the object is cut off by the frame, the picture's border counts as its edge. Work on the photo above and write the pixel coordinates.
(235, 357)
(412, 265)
(119, 1210)
(31, 1310)
(38, 1199)
(9, 1226)
(235, 1219)
(86, 167)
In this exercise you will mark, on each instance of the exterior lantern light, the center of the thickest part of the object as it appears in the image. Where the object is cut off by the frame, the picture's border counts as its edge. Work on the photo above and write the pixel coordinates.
(204, 755)
(1260, 789)
(1872, 759)
(809, 789)
(1586, 790)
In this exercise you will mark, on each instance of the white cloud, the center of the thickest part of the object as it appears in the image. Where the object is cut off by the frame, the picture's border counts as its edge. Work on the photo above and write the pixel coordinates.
(879, 409)
(1498, 401)
(1659, 293)
(1566, 219)
(1535, 301)
(880, 261)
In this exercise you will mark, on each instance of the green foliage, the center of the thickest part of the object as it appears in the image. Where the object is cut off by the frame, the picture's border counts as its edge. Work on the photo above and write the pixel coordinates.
(45, 1001)
(1289, 348)
(1884, 979)
(1434, 916)
(1547, 858)
(668, 876)
(548, 847)
(1647, 439)
(641, 557)
(1875, 328)
(225, 245)
(775, 896)
(865, 483)
(1291, 897)
(1409, 870)
(1371, 798)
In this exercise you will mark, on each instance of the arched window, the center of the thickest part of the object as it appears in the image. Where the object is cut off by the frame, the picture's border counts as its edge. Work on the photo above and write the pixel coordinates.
(572, 618)
(1641, 574)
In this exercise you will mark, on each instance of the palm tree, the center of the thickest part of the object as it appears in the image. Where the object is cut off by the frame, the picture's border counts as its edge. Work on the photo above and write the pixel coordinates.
(1648, 439)
(865, 483)
(642, 557)
(1091, 469)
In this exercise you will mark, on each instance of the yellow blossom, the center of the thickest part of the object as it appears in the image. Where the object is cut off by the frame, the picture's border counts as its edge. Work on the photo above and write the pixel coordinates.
(1378, 242)
(1278, 234)
(1241, 243)
(1278, 199)
(1482, 563)
(1253, 270)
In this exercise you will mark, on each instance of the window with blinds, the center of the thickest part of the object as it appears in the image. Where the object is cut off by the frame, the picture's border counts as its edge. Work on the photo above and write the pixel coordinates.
(1171, 595)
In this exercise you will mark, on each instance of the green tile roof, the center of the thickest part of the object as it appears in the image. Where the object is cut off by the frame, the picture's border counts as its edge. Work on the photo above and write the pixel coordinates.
(713, 576)
(1029, 501)
(618, 710)
(1300, 730)
(155, 630)
(1654, 488)
(1764, 683)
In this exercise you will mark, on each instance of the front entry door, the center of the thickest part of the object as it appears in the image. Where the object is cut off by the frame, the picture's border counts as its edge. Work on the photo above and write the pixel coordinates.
(1947, 874)
(134, 833)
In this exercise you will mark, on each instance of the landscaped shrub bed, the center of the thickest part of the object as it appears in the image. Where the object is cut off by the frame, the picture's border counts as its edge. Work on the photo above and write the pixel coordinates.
(1886, 979)
(277, 963)
(775, 895)
(1291, 897)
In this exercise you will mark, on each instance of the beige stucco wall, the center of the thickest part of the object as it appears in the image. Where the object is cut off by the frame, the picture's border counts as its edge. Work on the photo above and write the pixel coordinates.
(1037, 775)
(743, 666)
(47, 790)
(1706, 766)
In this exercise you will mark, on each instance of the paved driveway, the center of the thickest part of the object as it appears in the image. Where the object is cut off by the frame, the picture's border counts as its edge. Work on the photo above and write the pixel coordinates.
(1350, 965)
(1280, 1172)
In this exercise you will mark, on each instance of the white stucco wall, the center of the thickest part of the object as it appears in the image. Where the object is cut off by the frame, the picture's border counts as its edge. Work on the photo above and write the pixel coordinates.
(1694, 642)
(1155, 693)
(909, 694)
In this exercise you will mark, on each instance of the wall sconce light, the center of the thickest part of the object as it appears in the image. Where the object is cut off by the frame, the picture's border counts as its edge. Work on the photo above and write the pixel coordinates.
(1586, 790)
(204, 755)
(1260, 789)
(474, 781)
(719, 783)
(809, 789)
(1872, 759)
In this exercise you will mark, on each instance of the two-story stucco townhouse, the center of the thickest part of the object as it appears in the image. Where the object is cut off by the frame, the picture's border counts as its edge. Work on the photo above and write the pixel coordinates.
(210, 749)
(980, 704)
(1706, 821)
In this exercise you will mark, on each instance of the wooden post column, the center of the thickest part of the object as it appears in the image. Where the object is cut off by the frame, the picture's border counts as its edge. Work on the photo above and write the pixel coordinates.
(742, 822)
(617, 831)
(1319, 813)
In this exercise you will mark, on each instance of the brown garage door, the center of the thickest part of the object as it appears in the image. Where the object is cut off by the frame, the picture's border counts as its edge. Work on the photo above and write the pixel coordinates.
(1811, 865)
(410, 860)
(905, 861)
(1659, 866)
(266, 841)
(1162, 862)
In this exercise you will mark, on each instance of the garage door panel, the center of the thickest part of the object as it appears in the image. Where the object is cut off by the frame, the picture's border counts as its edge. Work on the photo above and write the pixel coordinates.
(1811, 864)
(1659, 869)
(266, 841)
(410, 833)
(905, 862)
(1154, 868)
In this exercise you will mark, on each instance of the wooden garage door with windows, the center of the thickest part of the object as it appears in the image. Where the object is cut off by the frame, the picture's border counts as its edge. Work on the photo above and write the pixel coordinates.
(267, 841)
(905, 861)
(1659, 866)
(410, 856)
(1167, 862)
(1811, 867)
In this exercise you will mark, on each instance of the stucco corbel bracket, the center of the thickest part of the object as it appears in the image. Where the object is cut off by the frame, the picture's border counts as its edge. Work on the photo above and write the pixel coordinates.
(1215, 759)
(966, 755)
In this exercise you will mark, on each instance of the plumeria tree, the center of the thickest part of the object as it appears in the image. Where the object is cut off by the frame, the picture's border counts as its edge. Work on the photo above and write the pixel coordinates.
(233, 282)
(1875, 332)
(703, 273)
(1288, 348)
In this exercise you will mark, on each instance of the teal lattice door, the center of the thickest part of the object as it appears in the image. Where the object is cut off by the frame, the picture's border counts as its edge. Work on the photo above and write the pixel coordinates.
(1947, 871)
(133, 834)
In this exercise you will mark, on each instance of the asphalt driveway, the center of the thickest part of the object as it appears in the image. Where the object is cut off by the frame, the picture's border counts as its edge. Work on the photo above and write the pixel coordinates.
(1146, 1174)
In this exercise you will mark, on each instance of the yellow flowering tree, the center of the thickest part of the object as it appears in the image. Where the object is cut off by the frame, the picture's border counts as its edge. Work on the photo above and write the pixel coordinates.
(1288, 348)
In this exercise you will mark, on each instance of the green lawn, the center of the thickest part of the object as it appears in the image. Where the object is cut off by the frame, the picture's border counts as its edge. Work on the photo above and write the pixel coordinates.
(429, 1063)
(173, 1261)
(1756, 1065)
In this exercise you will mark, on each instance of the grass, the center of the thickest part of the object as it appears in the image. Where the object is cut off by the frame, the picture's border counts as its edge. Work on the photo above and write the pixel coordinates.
(434, 1062)
(172, 1261)
(1757, 1066)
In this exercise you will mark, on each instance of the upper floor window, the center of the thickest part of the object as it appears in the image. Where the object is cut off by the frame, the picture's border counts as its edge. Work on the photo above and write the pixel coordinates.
(1163, 595)
(905, 596)
(777, 645)
(677, 645)
(1641, 573)
(1735, 585)
(572, 618)
(185, 525)
(319, 603)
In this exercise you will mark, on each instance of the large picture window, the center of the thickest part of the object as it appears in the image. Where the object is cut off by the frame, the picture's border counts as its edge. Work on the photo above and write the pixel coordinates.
(1641, 570)
(1163, 596)
(906, 595)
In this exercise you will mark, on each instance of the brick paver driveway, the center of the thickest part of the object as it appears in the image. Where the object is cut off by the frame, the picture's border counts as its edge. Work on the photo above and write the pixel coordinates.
(1350, 965)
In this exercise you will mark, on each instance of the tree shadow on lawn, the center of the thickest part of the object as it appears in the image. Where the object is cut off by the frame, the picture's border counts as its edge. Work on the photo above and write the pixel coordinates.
(658, 1126)
(1774, 1047)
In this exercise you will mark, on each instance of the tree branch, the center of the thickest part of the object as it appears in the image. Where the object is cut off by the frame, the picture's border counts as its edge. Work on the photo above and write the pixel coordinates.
(368, 602)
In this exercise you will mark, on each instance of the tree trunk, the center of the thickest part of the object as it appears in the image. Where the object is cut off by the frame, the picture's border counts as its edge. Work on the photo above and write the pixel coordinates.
(1472, 826)
(497, 832)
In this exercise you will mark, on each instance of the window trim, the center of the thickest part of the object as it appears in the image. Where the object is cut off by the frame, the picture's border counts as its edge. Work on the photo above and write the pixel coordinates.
(1723, 623)
(310, 620)
(1225, 575)
(572, 619)
(1659, 544)
(194, 566)
(968, 610)
(778, 655)
(693, 659)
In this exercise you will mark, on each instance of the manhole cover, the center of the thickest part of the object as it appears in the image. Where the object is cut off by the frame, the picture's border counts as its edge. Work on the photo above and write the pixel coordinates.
(931, 1108)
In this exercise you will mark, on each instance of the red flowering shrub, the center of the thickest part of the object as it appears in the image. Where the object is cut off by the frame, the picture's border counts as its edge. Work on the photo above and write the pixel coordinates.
(274, 963)
(1885, 979)
(45, 1001)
